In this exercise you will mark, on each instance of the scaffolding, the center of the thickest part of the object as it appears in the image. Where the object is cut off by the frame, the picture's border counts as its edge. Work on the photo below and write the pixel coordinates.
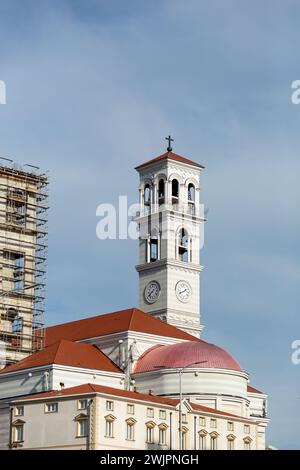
(23, 255)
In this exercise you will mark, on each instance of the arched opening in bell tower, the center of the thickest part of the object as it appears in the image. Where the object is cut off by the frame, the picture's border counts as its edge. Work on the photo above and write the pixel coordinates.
(183, 245)
(161, 191)
(175, 191)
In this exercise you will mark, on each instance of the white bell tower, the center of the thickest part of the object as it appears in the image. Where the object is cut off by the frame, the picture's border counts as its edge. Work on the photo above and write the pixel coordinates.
(169, 221)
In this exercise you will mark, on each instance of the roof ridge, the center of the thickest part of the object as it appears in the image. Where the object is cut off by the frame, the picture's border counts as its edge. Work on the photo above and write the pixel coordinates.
(171, 156)
(133, 309)
(59, 344)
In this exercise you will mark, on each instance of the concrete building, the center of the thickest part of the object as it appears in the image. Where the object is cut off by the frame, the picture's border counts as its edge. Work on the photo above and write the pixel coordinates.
(23, 243)
(169, 250)
(139, 378)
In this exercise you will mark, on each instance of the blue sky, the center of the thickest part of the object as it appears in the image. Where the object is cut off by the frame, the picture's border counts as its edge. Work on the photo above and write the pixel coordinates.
(93, 87)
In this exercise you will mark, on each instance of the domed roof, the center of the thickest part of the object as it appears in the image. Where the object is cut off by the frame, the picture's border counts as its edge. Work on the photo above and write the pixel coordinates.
(194, 354)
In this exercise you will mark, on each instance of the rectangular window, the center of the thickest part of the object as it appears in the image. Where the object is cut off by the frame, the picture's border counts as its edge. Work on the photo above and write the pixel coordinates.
(230, 444)
(150, 435)
(109, 405)
(15, 208)
(247, 445)
(17, 325)
(230, 426)
(150, 412)
(202, 421)
(109, 428)
(19, 433)
(213, 443)
(247, 429)
(18, 271)
(202, 442)
(51, 407)
(19, 411)
(162, 436)
(130, 409)
(130, 432)
(153, 249)
(183, 440)
(213, 423)
(82, 404)
(184, 418)
(82, 428)
(162, 414)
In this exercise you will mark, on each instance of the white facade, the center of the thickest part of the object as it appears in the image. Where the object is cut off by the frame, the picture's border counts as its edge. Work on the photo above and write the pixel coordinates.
(168, 256)
(216, 388)
(169, 289)
(53, 377)
(60, 429)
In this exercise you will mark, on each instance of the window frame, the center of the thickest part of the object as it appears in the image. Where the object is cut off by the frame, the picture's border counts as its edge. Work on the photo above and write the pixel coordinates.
(230, 426)
(247, 429)
(150, 412)
(130, 430)
(107, 405)
(202, 421)
(79, 407)
(213, 423)
(47, 405)
(80, 422)
(214, 441)
(18, 427)
(16, 413)
(128, 407)
(109, 425)
(150, 430)
(162, 436)
(202, 439)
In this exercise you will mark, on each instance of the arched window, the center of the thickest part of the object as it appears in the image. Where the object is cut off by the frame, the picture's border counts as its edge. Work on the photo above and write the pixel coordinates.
(11, 314)
(153, 249)
(191, 198)
(175, 191)
(161, 192)
(147, 195)
(191, 193)
(183, 246)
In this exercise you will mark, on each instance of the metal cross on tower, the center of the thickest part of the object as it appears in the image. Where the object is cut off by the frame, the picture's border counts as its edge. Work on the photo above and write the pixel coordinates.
(169, 139)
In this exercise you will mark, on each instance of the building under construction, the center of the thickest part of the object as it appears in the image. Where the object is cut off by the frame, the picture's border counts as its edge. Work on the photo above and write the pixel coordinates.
(23, 251)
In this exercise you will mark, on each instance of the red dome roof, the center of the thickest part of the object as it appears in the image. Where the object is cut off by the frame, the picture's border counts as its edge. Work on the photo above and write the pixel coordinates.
(196, 354)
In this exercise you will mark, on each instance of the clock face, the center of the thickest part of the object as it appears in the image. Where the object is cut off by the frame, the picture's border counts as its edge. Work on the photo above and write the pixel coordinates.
(152, 292)
(183, 291)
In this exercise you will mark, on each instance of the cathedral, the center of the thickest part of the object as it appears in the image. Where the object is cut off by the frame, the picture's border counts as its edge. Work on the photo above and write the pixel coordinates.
(143, 377)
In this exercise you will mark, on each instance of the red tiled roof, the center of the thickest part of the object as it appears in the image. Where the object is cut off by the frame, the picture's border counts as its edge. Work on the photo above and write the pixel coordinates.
(66, 353)
(170, 156)
(252, 389)
(131, 319)
(93, 389)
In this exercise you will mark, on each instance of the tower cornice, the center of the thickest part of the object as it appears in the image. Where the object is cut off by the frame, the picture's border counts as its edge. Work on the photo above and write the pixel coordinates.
(156, 265)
